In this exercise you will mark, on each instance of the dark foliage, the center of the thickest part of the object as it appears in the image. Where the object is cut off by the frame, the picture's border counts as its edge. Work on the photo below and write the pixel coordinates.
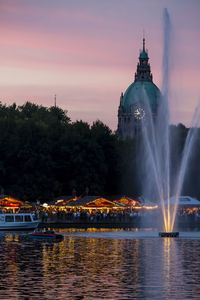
(44, 155)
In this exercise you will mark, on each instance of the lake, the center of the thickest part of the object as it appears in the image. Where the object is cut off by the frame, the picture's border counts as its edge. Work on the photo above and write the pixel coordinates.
(100, 264)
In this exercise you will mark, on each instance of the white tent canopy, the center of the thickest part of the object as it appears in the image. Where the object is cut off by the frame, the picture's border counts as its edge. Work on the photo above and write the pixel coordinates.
(185, 201)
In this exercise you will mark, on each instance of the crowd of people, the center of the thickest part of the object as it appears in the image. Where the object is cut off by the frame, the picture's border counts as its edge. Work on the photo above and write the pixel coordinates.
(75, 215)
(86, 216)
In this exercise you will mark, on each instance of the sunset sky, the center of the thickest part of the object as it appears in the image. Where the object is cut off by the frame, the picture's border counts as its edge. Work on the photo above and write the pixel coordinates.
(86, 51)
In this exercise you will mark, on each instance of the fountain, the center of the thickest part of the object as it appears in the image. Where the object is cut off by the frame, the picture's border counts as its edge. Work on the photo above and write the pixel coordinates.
(157, 185)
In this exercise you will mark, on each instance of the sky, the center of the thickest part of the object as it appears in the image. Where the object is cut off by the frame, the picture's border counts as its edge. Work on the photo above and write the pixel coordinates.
(86, 52)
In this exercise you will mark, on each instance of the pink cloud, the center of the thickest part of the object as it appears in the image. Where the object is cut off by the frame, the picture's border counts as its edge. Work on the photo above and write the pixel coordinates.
(87, 52)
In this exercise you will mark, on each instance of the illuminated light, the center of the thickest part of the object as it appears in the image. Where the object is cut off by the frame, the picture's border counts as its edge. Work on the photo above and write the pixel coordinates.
(58, 201)
(149, 207)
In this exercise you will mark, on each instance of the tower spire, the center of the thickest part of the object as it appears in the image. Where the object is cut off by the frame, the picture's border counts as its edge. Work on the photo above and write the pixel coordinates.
(143, 40)
(143, 72)
(143, 44)
(55, 100)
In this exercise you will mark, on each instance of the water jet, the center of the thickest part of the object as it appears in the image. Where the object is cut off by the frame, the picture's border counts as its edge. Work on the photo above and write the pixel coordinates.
(156, 142)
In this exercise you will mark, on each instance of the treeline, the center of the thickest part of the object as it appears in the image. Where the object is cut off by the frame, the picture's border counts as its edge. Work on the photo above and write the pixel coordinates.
(44, 155)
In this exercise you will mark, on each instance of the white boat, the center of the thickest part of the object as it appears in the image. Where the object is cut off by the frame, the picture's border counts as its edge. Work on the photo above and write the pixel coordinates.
(17, 221)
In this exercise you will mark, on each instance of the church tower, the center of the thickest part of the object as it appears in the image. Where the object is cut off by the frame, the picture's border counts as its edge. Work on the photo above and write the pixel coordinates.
(131, 111)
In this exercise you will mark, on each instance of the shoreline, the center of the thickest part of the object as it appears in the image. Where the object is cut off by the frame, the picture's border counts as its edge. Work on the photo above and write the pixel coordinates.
(184, 225)
(85, 225)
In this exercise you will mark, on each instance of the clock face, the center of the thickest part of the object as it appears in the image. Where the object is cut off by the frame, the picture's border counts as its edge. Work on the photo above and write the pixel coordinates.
(139, 113)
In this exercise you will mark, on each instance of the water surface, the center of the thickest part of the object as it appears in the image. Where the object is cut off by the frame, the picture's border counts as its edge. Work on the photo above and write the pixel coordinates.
(101, 264)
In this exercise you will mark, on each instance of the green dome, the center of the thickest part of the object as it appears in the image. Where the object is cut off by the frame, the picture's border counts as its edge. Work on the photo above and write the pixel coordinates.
(135, 95)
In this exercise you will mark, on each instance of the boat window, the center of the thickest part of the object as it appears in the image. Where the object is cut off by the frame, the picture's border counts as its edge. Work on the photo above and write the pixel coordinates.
(34, 217)
(9, 218)
(2, 218)
(27, 218)
(19, 218)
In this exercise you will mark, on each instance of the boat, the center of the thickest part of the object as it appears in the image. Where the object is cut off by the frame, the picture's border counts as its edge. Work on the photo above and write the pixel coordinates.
(46, 234)
(18, 221)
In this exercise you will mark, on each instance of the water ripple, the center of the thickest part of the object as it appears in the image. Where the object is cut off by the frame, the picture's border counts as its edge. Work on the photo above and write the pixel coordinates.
(100, 268)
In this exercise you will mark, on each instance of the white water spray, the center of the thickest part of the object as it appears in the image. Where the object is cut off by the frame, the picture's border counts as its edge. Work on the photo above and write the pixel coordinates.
(157, 185)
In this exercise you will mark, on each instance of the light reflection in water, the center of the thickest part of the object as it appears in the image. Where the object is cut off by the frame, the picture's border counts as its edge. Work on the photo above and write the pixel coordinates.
(167, 259)
(90, 267)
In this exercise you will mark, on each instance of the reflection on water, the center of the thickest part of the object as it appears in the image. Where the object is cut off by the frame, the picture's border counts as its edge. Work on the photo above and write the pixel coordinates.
(94, 267)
